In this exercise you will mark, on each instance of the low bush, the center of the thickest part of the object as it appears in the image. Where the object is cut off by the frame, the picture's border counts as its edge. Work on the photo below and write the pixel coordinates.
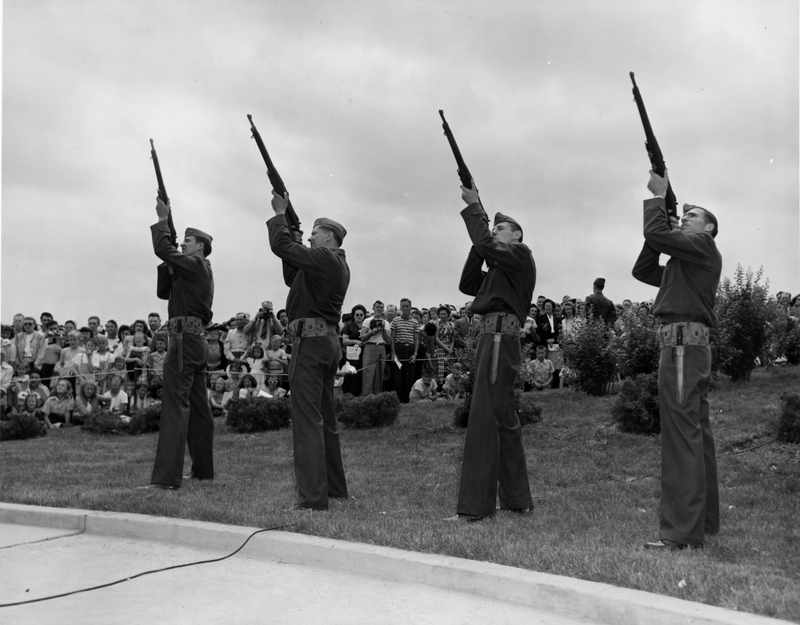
(791, 348)
(369, 411)
(104, 422)
(636, 408)
(789, 421)
(17, 427)
(527, 409)
(258, 414)
(635, 347)
(147, 420)
(588, 357)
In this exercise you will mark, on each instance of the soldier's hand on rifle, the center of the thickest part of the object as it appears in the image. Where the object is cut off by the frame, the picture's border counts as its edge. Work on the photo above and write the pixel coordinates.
(470, 196)
(162, 209)
(279, 203)
(657, 184)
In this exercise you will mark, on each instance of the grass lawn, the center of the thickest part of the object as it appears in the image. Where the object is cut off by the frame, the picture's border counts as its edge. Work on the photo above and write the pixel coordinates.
(596, 493)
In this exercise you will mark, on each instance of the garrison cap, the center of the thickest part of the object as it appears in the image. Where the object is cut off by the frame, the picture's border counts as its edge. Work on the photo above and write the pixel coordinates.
(500, 218)
(194, 232)
(600, 283)
(330, 224)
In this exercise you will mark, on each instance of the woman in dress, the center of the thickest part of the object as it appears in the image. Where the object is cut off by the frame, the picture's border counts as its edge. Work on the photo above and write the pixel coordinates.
(352, 346)
(444, 339)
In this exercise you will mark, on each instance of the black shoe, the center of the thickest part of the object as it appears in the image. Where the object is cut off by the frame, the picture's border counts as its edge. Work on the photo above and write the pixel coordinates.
(526, 510)
(666, 545)
(464, 518)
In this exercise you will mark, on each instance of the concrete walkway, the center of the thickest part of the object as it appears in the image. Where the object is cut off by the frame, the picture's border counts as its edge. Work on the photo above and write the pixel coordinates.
(280, 577)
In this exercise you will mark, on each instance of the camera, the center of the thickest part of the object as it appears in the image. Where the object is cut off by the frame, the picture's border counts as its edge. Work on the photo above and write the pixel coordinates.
(377, 324)
(266, 309)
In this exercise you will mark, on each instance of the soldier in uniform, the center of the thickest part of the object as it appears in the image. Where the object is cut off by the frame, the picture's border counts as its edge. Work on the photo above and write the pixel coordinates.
(493, 450)
(599, 305)
(185, 412)
(317, 277)
(685, 305)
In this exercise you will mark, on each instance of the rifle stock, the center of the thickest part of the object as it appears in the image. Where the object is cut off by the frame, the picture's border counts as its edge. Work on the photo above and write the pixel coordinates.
(275, 178)
(654, 151)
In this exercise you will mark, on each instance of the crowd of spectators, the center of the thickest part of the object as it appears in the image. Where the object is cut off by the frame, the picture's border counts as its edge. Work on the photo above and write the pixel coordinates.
(62, 372)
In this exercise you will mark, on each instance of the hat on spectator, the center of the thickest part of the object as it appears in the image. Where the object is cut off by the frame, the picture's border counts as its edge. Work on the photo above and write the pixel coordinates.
(500, 218)
(330, 224)
(567, 298)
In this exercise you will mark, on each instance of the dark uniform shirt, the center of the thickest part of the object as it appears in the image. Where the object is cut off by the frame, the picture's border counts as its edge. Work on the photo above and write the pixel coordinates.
(688, 283)
(601, 307)
(508, 284)
(317, 277)
(192, 281)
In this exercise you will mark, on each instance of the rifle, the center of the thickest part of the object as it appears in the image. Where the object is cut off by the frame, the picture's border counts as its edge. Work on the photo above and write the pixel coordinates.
(164, 282)
(275, 178)
(654, 152)
(463, 170)
(162, 195)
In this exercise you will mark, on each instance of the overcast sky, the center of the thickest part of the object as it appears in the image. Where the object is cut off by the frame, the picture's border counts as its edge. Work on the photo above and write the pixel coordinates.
(346, 97)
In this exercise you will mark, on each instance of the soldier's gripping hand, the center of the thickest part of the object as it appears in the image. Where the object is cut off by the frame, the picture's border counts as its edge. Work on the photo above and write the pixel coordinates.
(657, 184)
(162, 210)
(279, 204)
(470, 196)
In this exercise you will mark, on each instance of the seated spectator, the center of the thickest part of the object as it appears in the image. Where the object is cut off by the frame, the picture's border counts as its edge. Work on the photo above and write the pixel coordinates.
(219, 396)
(31, 407)
(345, 370)
(115, 399)
(540, 370)
(453, 387)
(59, 407)
(142, 399)
(235, 372)
(247, 386)
(87, 402)
(37, 388)
(273, 389)
(20, 387)
(424, 388)
(6, 373)
(117, 368)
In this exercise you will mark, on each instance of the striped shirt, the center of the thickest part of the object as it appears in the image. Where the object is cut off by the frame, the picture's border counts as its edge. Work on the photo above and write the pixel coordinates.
(404, 330)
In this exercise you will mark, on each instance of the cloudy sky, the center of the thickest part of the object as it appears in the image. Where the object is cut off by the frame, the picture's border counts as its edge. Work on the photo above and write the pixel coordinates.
(346, 96)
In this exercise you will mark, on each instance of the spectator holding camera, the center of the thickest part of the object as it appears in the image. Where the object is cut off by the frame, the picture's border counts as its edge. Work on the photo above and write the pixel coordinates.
(263, 326)
(375, 333)
(353, 346)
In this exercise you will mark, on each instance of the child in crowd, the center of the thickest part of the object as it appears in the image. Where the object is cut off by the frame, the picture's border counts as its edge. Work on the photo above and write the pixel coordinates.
(20, 387)
(104, 362)
(155, 361)
(453, 387)
(141, 398)
(345, 368)
(276, 357)
(273, 388)
(424, 388)
(218, 396)
(115, 399)
(136, 356)
(87, 401)
(88, 362)
(58, 408)
(235, 372)
(118, 368)
(66, 367)
(31, 407)
(539, 370)
(247, 386)
(52, 353)
(254, 357)
(37, 388)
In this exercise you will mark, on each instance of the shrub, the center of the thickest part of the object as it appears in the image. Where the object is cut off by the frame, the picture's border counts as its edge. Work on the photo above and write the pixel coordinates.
(21, 426)
(368, 411)
(636, 408)
(588, 358)
(741, 334)
(791, 347)
(104, 422)
(527, 409)
(257, 414)
(635, 347)
(789, 421)
(466, 356)
(147, 420)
